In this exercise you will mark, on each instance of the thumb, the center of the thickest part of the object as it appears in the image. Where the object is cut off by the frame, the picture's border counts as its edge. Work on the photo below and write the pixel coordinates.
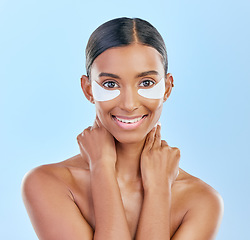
(149, 140)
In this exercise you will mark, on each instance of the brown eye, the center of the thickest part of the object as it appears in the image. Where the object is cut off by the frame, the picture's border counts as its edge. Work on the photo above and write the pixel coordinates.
(110, 84)
(147, 83)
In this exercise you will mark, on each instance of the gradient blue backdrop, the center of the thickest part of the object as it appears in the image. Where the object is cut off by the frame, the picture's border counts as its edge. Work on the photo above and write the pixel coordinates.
(42, 47)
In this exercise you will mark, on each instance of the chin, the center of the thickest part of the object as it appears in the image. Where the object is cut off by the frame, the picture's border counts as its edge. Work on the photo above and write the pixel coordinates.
(129, 138)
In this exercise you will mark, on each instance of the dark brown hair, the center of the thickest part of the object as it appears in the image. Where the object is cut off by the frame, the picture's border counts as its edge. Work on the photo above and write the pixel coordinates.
(122, 32)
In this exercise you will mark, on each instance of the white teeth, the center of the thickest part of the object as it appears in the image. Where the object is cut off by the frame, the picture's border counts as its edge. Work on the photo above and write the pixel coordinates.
(129, 120)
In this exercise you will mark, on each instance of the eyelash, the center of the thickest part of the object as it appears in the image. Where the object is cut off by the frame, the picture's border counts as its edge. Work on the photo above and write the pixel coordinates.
(146, 80)
(109, 82)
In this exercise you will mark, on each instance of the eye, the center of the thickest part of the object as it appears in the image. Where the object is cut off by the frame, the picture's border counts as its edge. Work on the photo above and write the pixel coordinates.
(110, 84)
(147, 83)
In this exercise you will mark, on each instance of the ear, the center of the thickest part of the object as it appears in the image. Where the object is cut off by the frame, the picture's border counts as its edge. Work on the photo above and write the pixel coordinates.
(86, 88)
(169, 84)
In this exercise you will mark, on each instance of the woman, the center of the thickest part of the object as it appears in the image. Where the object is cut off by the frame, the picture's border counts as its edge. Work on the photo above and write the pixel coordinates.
(126, 182)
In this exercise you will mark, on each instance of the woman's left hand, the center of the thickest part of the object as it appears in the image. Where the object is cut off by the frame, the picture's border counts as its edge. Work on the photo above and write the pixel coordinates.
(159, 161)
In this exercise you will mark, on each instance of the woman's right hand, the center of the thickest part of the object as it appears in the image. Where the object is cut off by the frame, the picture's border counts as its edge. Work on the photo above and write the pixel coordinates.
(98, 145)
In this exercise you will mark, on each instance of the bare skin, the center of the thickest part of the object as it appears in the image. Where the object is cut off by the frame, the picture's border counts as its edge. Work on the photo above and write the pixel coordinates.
(123, 184)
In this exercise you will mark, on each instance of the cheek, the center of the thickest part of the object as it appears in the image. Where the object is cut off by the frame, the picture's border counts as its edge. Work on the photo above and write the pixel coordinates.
(103, 110)
(103, 107)
(154, 106)
(155, 109)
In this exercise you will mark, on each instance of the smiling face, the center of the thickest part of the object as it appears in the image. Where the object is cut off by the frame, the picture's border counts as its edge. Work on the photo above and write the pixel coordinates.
(130, 114)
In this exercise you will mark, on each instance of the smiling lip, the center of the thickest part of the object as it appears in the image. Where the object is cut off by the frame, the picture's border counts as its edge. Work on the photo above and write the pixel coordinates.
(129, 123)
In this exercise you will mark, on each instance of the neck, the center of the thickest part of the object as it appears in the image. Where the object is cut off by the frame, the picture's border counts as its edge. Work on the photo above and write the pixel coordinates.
(128, 160)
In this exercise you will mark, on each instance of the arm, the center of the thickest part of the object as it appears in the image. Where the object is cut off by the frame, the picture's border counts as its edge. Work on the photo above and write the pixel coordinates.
(98, 145)
(155, 215)
(55, 215)
(110, 216)
(203, 218)
(201, 221)
(159, 168)
(51, 208)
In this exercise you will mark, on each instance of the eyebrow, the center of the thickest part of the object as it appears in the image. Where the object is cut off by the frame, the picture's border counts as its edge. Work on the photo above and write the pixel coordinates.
(142, 74)
(103, 74)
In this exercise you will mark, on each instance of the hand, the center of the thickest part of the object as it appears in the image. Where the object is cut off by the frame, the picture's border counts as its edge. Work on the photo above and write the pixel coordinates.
(97, 144)
(159, 161)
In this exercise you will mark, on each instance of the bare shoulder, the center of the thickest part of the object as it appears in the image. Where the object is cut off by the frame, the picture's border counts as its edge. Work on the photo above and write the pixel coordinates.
(43, 183)
(198, 191)
(50, 203)
(203, 208)
(44, 174)
(60, 172)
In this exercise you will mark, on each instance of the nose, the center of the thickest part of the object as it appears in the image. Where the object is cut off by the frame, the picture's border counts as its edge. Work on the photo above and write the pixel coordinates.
(129, 100)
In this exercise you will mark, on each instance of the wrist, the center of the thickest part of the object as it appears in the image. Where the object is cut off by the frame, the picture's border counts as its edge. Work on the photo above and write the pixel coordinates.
(156, 189)
(102, 166)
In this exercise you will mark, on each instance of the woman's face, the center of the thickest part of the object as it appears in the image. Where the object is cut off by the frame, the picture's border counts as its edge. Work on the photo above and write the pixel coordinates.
(129, 117)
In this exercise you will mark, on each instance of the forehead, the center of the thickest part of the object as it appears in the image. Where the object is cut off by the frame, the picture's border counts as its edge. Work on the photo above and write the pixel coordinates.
(128, 61)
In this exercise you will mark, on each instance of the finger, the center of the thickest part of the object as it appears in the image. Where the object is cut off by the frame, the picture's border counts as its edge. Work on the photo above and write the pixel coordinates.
(79, 138)
(149, 140)
(80, 135)
(164, 143)
(177, 151)
(85, 131)
(157, 137)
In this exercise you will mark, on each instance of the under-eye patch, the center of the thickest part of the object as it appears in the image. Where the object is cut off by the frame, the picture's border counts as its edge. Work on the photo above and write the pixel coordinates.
(155, 92)
(102, 94)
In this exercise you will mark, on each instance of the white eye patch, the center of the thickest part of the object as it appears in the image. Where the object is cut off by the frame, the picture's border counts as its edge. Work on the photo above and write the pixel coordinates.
(101, 94)
(155, 92)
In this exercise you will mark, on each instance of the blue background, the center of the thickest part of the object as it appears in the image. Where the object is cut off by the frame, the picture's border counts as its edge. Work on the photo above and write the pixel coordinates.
(43, 109)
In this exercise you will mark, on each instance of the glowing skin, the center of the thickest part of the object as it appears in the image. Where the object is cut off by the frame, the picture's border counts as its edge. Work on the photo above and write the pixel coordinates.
(129, 67)
(101, 94)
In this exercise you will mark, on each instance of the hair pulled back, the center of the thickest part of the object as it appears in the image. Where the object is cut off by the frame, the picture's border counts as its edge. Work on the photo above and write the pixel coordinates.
(121, 32)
